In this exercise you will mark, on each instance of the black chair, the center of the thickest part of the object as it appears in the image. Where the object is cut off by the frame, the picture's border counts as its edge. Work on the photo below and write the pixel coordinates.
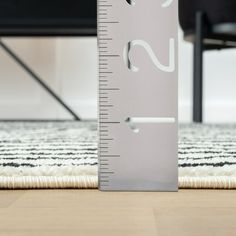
(210, 25)
(46, 18)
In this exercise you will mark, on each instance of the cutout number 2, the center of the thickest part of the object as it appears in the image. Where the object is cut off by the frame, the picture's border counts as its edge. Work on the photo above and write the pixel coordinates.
(165, 68)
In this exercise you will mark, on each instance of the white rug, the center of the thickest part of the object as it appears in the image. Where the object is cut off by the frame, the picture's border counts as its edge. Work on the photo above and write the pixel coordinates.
(64, 155)
(207, 156)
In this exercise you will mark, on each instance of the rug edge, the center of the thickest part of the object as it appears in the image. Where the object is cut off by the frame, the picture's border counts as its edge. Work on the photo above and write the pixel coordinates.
(49, 182)
(209, 182)
(91, 182)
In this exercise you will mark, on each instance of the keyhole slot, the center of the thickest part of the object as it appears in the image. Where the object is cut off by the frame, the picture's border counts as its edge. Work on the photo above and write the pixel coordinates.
(134, 121)
(131, 2)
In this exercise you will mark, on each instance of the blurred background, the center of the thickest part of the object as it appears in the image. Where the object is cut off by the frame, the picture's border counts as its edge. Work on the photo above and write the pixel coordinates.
(69, 66)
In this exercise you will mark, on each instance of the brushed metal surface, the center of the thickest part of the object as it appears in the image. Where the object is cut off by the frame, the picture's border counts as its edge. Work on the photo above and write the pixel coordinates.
(138, 95)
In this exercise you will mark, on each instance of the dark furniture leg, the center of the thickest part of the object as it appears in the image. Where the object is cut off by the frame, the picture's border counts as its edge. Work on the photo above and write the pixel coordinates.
(198, 68)
(37, 79)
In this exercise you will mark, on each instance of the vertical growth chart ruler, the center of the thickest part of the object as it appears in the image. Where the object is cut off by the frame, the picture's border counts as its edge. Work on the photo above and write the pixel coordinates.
(138, 96)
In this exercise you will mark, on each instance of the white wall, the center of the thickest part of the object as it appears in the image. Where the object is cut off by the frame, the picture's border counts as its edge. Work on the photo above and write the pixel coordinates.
(69, 66)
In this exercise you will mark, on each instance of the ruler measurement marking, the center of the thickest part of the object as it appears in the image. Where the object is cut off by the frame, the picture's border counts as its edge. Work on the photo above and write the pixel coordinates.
(104, 160)
(103, 98)
(103, 143)
(110, 155)
(105, 39)
(110, 122)
(106, 139)
(111, 55)
(100, 125)
(110, 5)
(103, 115)
(105, 72)
(103, 152)
(110, 89)
(104, 181)
(103, 109)
(109, 22)
(106, 105)
(104, 185)
(103, 93)
(102, 101)
(108, 172)
(104, 80)
(103, 59)
(104, 168)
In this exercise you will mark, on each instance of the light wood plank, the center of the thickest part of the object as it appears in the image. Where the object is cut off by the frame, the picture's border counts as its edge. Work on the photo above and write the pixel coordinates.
(95, 198)
(91, 212)
(99, 221)
(195, 221)
(8, 197)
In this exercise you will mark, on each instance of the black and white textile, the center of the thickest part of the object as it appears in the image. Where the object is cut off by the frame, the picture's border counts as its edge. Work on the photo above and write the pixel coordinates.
(64, 155)
(207, 156)
(48, 155)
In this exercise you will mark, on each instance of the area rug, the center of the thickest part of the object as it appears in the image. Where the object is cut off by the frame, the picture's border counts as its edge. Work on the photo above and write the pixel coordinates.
(64, 155)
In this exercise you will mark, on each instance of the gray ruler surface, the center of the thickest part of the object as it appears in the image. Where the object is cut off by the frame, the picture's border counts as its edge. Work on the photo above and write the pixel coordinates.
(138, 95)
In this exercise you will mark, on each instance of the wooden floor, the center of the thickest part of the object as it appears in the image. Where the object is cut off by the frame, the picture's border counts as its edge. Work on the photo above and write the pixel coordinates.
(90, 212)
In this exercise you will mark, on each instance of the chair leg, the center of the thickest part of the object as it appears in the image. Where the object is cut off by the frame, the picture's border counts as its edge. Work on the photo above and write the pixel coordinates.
(198, 68)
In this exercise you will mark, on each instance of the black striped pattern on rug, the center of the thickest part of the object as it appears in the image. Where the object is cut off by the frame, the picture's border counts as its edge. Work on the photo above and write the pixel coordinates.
(48, 148)
(64, 154)
(207, 153)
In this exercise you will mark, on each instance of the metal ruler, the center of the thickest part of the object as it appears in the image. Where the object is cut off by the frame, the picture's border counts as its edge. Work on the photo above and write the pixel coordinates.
(138, 95)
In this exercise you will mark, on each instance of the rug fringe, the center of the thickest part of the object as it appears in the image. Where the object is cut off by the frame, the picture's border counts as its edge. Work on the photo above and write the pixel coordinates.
(49, 182)
(210, 182)
(91, 182)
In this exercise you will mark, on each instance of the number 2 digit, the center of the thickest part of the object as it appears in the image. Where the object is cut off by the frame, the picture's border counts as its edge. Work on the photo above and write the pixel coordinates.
(166, 68)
